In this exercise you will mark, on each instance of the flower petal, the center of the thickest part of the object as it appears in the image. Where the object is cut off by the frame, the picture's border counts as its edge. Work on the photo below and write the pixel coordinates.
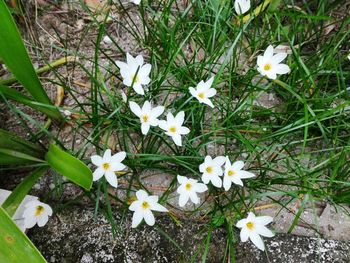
(182, 179)
(98, 173)
(145, 128)
(111, 178)
(257, 241)
(183, 199)
(244, 234)
(264, 231)
(136, 218)
(149, 217)
(141, 195)
(177, 139)
(118, 157)
(264, 220)
(200, 188)
(135, 108)
(96, 160)
(238, 165)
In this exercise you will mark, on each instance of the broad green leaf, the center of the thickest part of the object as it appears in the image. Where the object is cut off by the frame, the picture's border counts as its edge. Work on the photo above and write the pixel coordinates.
(12, 142)
(14, 157)
(15, 246)
(19, 97)
(15, 57)
(69, 166)
(13, 201)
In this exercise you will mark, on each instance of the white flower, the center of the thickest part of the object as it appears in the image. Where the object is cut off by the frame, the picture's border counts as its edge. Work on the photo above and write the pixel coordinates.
(211, 170)
(254, 226)
(269, 64)
(203, 92)
(173, 127)
(107, 40)
(242, 6)
(108, 165)
(188, 189)
(136, 2)
(134, 73)
(143, 207)
(235, 174)
(36, 212)
(148, 116)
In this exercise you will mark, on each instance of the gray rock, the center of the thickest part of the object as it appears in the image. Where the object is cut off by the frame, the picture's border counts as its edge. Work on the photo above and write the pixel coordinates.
(73, 235)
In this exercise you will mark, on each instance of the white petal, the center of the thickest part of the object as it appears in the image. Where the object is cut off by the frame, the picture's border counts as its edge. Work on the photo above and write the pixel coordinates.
(149, 217)
(177, 139)
(264, 231)
(278, 58)
(96, 160)
(163, 125)
(139, 60)
(98, 173)
(263, 220)
(29, 222)
(111, 178)
(208, 102)
(209, 82)
(227, 183)
(157, 111)
(194, 198)
(183, 199)
(145, 70)
(180, 117)
(200, 188)
(138, 89)
(145, 128)
(182, 179)
(42, 220)
(184, 130)
(211, 93)
(206, 178)
(136, 218)
(237, 181)
(118, 157)
(141, 195)
(268, 52)
(158, 207)
(220, 160)
(48, 209)
(245, 174)
(193, 92)
(135, 108)
(107, 156)
(244, 234)
(134, 206)
(282, 69)
(115, 167)
(216, 181)
(271, 74)
(237, 165)
(241, 223)
(257, 241)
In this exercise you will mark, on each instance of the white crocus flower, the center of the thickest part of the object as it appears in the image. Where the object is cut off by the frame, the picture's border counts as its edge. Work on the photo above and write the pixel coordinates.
(108, 165)
(188, 189)
(254, 226)
(211, 170)
(148, 116)
(203, 92)
(173, 127)
(269, 65)
(235, 174)
(143, 207)
(134, 73)
(36, 212)
(242, 6)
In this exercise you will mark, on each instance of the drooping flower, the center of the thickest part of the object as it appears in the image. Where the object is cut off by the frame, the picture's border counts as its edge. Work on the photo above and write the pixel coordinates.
(242, 6)
(134, 73)
(203, 91)
(148, 116)
(253, 227)
(143, 207)
(269, 65)
(173, 126)
(36, 212)
(188, 189)
(211, 170)
(235, 174)
(108, 165)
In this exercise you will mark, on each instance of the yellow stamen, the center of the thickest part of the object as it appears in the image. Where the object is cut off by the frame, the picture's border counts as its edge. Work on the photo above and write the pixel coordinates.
(267, 66)
(231, 173)
(106, 166)
(250, 225)
(172, 129)
(39, 210)
(145, 205)
(209, 169)
(201, 95)
(188, 186)
(145, 118)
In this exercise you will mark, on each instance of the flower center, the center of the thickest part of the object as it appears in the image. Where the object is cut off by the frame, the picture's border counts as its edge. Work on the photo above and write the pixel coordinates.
(135, 78)
(145, 205)
(231, 173)
(250, 225)
(267, 67)
(172, 129)
(188, 186)
(201, 95)
(209, 169)
(39, 210)
(145, 118)
(105, 166)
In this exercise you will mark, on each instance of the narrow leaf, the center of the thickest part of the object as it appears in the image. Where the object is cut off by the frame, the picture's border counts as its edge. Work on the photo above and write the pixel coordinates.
(15, 57)
(15, 157)
(15, 246)
(13, 201)
(69, 166)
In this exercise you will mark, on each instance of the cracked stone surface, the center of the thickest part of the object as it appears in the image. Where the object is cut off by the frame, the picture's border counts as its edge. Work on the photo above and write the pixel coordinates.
(73, 235)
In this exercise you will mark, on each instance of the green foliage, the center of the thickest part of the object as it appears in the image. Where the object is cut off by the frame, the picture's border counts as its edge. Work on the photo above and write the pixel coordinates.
(69, 166)
(15, 246)
(13, 201)
(15, 56)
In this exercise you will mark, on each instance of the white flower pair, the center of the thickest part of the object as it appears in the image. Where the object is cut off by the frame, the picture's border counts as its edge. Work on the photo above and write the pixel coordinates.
(211, 170)
(149, 117)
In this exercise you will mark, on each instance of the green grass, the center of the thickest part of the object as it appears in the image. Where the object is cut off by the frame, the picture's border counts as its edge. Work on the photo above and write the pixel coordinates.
(300, 147)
